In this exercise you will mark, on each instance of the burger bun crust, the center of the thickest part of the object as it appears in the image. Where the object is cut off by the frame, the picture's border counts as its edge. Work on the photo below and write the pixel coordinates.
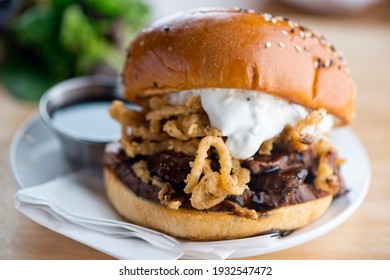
(232, 49)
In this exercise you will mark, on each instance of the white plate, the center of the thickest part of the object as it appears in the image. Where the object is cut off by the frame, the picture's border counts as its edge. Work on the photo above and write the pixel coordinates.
(36, 157)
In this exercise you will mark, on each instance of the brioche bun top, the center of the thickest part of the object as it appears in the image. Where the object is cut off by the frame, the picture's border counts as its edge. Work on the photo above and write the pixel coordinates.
(239, 49)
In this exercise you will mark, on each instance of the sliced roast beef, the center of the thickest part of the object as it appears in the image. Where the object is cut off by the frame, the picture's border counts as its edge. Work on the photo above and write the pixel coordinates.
(279, 160)
(282, 179)
(170, 165)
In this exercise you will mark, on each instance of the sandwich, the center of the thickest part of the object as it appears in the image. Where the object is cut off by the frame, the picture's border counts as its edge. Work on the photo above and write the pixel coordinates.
(230, 138)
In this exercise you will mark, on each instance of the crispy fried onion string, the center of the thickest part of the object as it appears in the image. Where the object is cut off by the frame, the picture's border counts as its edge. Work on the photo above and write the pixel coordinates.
(188, 126)
(298, 138)
(125, 117)
(148, 148)
(212, 188)
(326, 179)
(163, 127)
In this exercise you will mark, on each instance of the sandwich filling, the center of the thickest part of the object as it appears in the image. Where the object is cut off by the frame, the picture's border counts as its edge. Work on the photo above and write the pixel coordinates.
(248, 118)
(224, 150)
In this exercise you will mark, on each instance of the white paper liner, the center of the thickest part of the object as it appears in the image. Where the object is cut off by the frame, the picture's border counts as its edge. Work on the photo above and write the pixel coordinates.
(75, 206)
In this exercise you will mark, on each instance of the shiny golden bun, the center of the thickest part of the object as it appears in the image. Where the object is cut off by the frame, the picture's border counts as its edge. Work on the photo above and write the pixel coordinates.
(199, 225)
(219, 48)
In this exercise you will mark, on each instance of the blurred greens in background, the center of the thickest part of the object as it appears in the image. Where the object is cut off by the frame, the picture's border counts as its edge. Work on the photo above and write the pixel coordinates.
(45, 42)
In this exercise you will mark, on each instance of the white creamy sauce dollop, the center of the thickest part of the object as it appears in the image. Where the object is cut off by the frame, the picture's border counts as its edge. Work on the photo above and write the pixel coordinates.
(248, 118)
(322, 130)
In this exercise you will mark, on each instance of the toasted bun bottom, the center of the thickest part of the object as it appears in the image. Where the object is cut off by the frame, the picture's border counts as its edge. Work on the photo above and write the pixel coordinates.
(198, 225)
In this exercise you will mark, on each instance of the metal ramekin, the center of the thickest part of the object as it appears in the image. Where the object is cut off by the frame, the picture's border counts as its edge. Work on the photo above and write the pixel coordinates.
(81, 152)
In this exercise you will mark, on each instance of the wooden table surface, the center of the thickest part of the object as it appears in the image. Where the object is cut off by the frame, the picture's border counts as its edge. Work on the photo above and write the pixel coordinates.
(366, 235)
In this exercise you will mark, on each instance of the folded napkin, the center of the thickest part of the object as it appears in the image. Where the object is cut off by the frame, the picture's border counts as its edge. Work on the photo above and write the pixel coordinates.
(75, 206)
